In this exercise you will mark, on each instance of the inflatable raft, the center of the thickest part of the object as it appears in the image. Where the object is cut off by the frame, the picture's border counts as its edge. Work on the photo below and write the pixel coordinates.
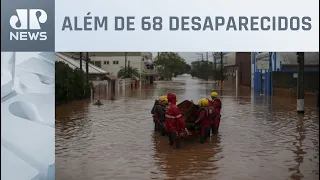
(189, 112)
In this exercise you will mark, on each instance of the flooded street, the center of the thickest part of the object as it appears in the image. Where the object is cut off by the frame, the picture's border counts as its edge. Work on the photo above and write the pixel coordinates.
(258, 138)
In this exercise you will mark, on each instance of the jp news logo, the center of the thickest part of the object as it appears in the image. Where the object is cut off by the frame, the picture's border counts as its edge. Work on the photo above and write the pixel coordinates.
(27, 25)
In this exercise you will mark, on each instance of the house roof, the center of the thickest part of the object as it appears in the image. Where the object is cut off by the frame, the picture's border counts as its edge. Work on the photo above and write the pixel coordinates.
(290, 58)
(106, 54)
(76, 64)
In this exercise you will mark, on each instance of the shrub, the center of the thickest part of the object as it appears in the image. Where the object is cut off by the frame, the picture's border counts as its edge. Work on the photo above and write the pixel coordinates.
(70, 84)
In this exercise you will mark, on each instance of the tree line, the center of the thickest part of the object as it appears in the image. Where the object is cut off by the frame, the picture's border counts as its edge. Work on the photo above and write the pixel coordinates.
(171, 64)
(205, 70)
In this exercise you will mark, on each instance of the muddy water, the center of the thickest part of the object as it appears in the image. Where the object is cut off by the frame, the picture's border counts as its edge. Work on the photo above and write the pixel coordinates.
(259, 138)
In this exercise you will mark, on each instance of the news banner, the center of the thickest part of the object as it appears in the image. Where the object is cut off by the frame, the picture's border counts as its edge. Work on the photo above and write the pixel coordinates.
(187, 23)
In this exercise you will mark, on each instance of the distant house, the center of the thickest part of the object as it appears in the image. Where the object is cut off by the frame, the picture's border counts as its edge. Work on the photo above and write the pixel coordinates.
(233, 62)
(95, 73)
(113, 62)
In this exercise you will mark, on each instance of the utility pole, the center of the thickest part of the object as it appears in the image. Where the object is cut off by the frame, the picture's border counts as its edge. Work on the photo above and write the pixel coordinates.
(207, 69)
(125, 64)
(300, 83)
(129, 75)
(207, 56)
(221, 68)
(87, 67)
(215, 65)
(81, 60)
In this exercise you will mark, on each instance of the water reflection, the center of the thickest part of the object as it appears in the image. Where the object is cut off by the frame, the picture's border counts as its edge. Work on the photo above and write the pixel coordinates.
(192, 162)
(299, 152)
(260, 138)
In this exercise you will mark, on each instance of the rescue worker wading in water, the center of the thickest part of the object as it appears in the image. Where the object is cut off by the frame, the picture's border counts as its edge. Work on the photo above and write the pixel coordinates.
(155, 119)
(206, 114)
(159, 114)
(217, 105)
(174, 122)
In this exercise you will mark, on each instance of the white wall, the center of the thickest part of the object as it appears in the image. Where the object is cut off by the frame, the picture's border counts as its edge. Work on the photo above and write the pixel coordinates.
(229, 59)
(148, 54)
(135, 62)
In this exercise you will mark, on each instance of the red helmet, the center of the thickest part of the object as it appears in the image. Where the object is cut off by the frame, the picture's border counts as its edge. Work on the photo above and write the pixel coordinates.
(172, 98)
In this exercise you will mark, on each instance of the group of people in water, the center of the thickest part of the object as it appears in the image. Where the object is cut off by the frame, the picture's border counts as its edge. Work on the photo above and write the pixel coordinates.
(169, 121)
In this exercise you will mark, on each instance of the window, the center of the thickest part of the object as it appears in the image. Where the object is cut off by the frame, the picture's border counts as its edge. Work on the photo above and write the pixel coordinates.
(104, 62)
(107, 62)
(115, 62)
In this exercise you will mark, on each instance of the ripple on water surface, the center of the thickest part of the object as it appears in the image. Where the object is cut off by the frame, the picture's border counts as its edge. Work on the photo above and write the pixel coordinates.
(259, 138)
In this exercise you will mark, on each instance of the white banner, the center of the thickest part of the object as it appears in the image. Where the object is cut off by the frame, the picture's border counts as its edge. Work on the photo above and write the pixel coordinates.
(263, 65)
(186, 25)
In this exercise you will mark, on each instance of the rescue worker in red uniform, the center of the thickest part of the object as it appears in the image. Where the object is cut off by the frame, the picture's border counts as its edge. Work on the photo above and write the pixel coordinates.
(159, 112)
(217, 105)
(206, 114)
(174, 122)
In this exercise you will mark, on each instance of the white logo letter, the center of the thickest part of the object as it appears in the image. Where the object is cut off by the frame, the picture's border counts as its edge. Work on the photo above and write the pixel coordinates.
(20, 21)
(35, 19)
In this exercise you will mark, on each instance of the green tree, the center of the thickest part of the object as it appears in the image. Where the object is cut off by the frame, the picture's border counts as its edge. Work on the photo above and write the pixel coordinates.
(170, 64)
(70, 84)
(202, 69)
(63, 86)
(131, 72)
(188, 68)
(79, 81)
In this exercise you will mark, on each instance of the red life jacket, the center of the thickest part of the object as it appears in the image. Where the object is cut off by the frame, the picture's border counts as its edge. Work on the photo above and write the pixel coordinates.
(206, 113)
(217, 105)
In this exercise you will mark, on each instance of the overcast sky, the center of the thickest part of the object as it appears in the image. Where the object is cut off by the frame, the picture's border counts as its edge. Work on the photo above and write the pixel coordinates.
(191, 56)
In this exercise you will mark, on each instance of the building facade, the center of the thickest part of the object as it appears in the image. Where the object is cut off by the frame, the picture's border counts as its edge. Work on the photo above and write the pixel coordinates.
(113, 62)
(237, 68)
(264, 63)
(95, 73)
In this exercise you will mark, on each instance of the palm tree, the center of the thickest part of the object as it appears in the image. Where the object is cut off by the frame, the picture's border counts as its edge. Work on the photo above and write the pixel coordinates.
(131, 72)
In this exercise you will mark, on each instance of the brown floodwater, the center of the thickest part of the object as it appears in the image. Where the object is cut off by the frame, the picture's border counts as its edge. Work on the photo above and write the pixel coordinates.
(259, 138)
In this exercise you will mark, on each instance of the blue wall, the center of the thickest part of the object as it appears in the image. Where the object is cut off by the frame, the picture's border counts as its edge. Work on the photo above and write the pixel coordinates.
(266, 87)
(257, 82)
